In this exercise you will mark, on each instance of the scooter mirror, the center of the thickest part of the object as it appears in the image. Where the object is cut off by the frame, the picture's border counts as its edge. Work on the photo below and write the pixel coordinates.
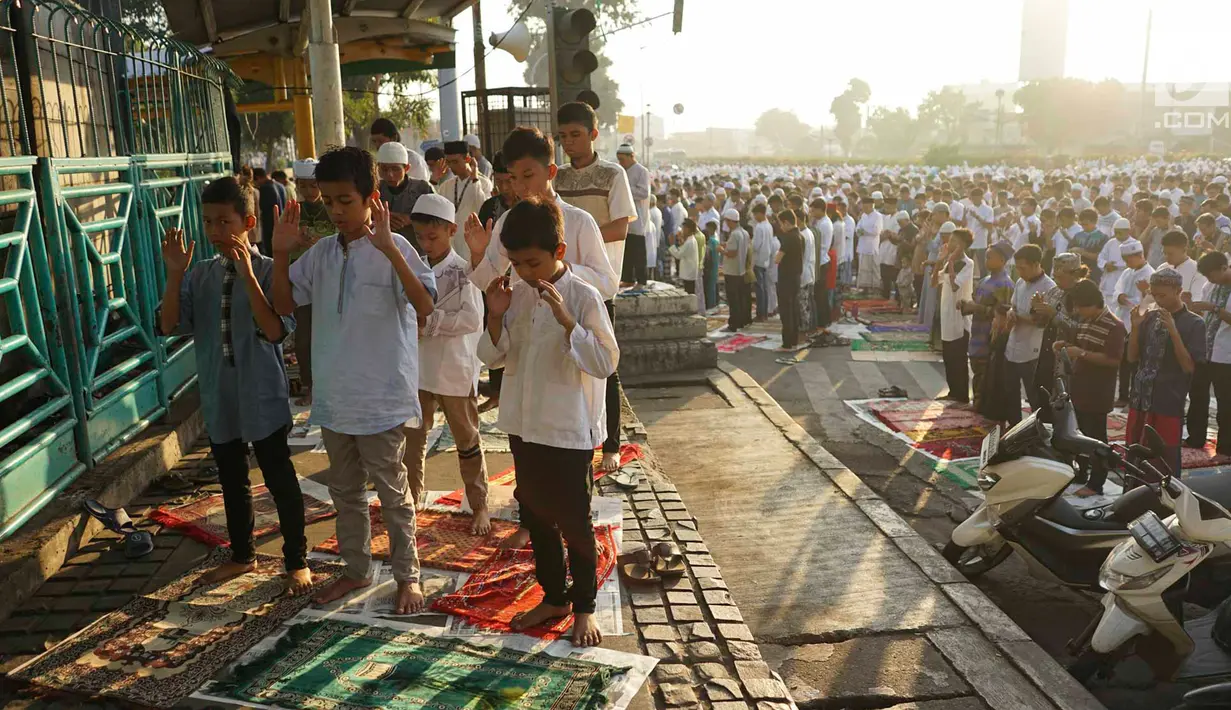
(1140, 451)
(1154, 442)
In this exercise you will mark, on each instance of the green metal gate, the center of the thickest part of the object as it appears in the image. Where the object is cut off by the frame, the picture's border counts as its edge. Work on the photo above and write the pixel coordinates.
(112, 133)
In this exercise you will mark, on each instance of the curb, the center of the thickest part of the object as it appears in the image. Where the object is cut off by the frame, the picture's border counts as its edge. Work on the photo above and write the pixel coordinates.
(1008, 639)
(41, 546)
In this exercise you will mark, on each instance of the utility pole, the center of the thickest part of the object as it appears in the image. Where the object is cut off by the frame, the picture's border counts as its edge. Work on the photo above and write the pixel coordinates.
(326, 78)
(1145, 67)
(480, 79)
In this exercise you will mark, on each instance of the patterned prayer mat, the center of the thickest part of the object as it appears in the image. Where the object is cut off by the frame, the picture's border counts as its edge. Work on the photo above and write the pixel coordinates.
(855, 306)
(903, 336)
(444, 540)
(913, 346)
(738, 342)
(952, 449)
(506, 586)
(886, 318)
(900, 327)
(1202, 458)
(159, 648)
(337, 665)
(490, 437)
(508, 477)
(1117, 426)
(206, 519)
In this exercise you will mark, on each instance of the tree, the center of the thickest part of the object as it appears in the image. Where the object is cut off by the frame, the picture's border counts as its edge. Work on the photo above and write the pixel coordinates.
(896, 131)
(406, 107)
(611, 15)
(846, 109)
(782, 128)
(145, 16)
(1070, 114)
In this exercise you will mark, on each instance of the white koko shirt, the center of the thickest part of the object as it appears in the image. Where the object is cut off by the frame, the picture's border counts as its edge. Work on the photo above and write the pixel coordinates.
(447, 363)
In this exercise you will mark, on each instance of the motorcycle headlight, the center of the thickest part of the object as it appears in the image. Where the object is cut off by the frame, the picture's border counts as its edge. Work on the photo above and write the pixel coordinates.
(1113, 581)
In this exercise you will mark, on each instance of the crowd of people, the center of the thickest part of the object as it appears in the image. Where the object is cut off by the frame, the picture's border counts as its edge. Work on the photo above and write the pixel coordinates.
(1121, 267)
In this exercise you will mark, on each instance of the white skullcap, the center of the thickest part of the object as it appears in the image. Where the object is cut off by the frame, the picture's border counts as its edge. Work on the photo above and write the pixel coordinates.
(393, 153)
(731, 214)
(901, 215)
(948, 228)
(304, 169)
(877, 195)
(472, 140)
(1130, 247)
(1123, 223)
(435, 205)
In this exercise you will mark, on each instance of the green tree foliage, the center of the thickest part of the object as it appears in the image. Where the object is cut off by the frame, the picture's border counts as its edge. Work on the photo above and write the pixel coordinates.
(406, 107)
(896, 131)
(611, 14)
(145, 16)
(846, 108)
(1069, 114)
(783, 129)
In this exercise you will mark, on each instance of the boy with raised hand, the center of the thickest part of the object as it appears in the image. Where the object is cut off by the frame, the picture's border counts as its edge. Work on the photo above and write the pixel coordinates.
(601, 188)
(221, 302)
(449, 371)
(398, 189)
(367, 287)
(466, 190)
(552, 333)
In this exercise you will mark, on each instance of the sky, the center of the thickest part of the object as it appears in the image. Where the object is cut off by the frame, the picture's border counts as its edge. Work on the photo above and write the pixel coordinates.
(736, 59)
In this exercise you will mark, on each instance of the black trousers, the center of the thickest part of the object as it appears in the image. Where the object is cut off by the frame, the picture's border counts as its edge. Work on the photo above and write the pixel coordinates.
(274, 457)
(1199, 405)
(553, 489)
(788, 311)
(889, 280)
(736, 293)
(691, 288)
(1220, 375)
(1127, 371)
(820, 297)
(612, 444)
(634, 268)
(1094, 425)
(956, 372)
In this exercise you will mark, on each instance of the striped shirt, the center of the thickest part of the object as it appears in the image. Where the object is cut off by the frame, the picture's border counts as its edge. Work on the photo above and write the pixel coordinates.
(1094, 386)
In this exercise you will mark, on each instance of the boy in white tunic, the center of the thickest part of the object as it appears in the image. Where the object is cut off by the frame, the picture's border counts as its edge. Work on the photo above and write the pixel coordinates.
(1132, 286)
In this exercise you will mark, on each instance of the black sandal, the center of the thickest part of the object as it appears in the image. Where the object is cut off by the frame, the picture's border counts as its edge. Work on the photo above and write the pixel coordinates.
(668, 560)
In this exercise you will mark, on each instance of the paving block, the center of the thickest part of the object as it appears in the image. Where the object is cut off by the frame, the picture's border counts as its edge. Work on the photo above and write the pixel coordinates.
(681, 598)
(660, 632)
(672, 673)
(723, 689)
(766, 689)
(698, 631)
(686, 613)
(678, 694)
(704, 650)
(650, 615)
(712, 671)
(752, 670)
(711, 583)
(744, 651)
(726, 613)
(717, 596)
(671, 652)
(645, 598)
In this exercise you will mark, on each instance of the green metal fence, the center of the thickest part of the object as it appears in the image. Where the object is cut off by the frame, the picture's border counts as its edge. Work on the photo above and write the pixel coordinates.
(108, 136)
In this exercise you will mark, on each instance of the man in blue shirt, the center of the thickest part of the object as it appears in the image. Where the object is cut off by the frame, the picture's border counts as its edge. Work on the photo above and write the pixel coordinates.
(272, 195)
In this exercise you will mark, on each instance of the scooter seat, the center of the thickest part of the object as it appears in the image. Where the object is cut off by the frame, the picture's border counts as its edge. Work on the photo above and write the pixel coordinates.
(1061, 512)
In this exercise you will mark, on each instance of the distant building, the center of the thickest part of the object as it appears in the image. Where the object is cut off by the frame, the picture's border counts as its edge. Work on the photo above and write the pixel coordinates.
(717, 143)
(1045, 29)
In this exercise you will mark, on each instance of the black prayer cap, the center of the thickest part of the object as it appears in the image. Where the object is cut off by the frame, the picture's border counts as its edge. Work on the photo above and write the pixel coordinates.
(456, 148)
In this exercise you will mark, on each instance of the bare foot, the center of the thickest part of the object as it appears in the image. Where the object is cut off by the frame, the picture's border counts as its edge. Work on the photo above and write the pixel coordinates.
(517, 540)
(489, 404)
(1086, 492)
(410, 598)
(227, 570)
(539, 615)
(304, 401)
(339, 588)
(611, 461)
(585, 631)
(298, 581)
(482, 523)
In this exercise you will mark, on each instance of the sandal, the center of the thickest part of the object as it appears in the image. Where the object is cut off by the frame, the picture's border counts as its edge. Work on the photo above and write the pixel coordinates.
(174, 483)
(892, 391)
(114, 519)
(138, 543)
(626, 480)
(639, 569)
(668, 560)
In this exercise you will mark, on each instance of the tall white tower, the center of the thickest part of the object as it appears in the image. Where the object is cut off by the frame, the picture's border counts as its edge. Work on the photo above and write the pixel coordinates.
(1045, 30)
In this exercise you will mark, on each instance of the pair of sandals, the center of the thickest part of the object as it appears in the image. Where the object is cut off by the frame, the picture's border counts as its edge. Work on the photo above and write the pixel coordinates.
(651, 565)
(892, 391)
(137, 543)
(828, 340)
(624, 480)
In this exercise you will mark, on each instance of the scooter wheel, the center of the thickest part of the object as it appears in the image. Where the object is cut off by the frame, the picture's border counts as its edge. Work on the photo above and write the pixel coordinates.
(1089, 665)
(975, 561)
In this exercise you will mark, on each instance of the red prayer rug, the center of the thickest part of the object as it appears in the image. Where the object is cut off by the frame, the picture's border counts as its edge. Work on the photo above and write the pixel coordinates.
(444, 540)
(508, 477)
(1202, 458)
(952, 449)
(206, 519)
(739, 341)
(506, 587)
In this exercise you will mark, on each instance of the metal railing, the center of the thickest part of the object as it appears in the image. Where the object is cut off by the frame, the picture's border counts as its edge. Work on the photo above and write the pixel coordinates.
(108, 135)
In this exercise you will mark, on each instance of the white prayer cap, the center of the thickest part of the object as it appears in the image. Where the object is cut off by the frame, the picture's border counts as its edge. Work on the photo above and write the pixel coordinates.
(624, 149)
(1220, 180)
(418, 166)
(948, 228)
(942, 206)
(779, 192)
(759, 200)
(729, 185)
(393, 153)
(877, 195)
(1123, 223)
(901, 215)
(846, 186)
(1131, 247)
(304, 169)
(472, 140)
(731, 214)
(435, 205)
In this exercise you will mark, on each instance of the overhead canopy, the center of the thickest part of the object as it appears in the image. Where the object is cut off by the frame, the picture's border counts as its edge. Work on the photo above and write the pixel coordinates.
(374, 36)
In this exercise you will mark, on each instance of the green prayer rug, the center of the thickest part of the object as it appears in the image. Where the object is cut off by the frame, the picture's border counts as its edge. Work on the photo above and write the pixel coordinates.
(337, 665)
(896, 337)
(914, 346)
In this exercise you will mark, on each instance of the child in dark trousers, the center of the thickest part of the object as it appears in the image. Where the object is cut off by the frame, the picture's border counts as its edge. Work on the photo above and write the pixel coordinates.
(221, 302)
(552, 333)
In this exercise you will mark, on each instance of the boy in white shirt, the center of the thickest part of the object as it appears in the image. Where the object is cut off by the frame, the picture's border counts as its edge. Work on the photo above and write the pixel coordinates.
(552, 334)
(1133, 284)
(448, 370)
(1111, 259)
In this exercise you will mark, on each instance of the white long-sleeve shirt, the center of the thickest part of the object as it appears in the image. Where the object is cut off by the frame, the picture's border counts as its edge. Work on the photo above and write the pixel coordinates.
(639, 183)
(1193, 282)
(555, 388)
(467, 196)
(808, 274)
(1127, 285)
(584, 252)
(763, 244)
(1111, 262)
(824, 229)
(848, 239)
(679, 213)
(447, 364)
(869, 230)
(653, 237)
(687, 255)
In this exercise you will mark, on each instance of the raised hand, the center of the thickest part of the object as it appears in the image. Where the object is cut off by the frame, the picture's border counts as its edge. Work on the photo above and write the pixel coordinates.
(176, 257)
(552, 298)
(478, 236)
(381, 235)
(286, 228)
(1136, 316)
(499, 297)
(1143, 286)
(238, 249)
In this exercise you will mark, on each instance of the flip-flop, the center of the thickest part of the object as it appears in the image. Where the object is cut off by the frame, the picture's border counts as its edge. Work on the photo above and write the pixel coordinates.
(639, 569)
(668, 560)
(174, 483)
(114, 519)
(786, 361)
(138, 543)
(626, 480)
(892, 391)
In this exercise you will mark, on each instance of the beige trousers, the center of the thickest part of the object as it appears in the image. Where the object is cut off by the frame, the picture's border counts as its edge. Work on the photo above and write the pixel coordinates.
(462, 414)
(353, 461)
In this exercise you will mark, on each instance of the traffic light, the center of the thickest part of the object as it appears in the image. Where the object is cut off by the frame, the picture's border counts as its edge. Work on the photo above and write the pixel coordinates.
(574, 62)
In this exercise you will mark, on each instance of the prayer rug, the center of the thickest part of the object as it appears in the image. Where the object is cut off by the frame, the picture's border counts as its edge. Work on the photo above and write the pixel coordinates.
(1202, 458)
(963, 472)
(490, 437)
(899, 327)
(1117, 426)
(160, 647)
(206, 519)
(444, 540)
(952, 449)
(713, 323)
(508, 477)
(338, 665)
(856, 306)
(506, 586)
(891, 319)
(738, 342)
(896, 337)
(867, 346)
